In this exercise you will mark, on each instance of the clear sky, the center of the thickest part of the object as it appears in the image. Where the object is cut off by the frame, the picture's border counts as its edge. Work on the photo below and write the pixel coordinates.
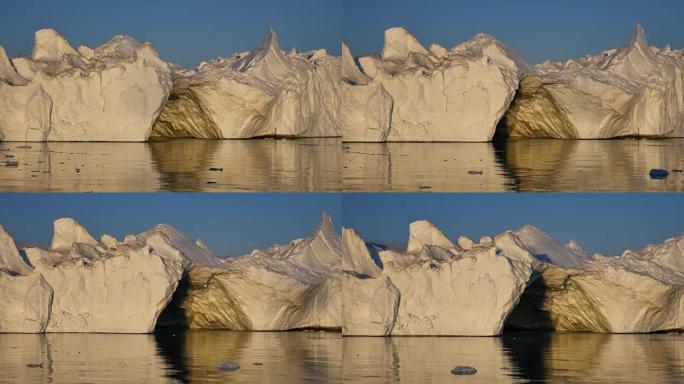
(187, 32)
(230, 223)
(234, 223)
(536, 29)
(606, 223)
(183, 31)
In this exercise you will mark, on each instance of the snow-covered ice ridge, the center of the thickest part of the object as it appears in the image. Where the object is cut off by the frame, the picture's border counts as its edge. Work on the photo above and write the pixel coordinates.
(636, 90)
(81, 284)
(111, 93)
(522, 278)
(123, 91)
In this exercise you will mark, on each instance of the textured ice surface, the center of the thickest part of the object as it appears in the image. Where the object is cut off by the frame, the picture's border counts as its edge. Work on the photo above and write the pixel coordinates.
(636, 90)
(110, 93)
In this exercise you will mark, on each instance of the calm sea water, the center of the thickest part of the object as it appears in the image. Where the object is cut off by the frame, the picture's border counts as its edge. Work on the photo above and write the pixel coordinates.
(513, 165)
(327, 357)
(173, 165)
(330, 165)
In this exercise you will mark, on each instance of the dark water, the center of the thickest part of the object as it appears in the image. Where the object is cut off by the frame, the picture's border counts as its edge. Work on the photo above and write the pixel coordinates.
(330, 165)
(326, 357)
(173, 165)
(513, 165)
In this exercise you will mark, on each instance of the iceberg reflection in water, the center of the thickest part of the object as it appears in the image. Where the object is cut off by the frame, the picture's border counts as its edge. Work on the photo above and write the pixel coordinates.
(513, 165)
(172, 165)
(327, 164)
(171, 356)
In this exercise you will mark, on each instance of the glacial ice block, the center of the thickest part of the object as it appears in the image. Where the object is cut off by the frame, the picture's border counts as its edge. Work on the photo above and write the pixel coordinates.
(636, 90)
(111, 93)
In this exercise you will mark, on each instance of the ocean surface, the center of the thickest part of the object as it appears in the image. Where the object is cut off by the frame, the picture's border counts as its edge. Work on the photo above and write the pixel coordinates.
(170, 356)
(518, 165)
(327, 164)
(172, 165)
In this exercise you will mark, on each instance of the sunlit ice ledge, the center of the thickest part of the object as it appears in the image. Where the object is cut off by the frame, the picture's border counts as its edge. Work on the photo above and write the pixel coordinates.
(123, 91)
(521, 278)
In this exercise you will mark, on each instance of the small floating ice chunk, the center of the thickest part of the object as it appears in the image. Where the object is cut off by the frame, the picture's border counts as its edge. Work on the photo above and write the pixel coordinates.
(228, 366)
(463, 370)
(657, 173)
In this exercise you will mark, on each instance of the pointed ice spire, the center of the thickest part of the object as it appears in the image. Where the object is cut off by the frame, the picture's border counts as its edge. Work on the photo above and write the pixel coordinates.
(7, 71)
(636, 60)
(639, 37)
(267, 61)
(325, 228)
(10, 259)
(270, 41)
(355, 255)
(319, 251)
(350, 71)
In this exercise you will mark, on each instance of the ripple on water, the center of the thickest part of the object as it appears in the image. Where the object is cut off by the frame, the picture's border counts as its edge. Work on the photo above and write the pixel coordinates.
(173, 165)
(326, 357)
(513, 165)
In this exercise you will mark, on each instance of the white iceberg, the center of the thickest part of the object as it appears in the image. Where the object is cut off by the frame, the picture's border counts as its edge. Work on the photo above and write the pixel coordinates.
(82, 285)
(636, 90)
(110, 93)
(290, 286)
(411, 93)
(433, 289)
(633, 293)
(261, 93)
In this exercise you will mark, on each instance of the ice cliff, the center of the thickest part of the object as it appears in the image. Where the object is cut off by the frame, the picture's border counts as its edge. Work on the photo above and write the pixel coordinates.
(635, 292)
(123, 91)
(262, 93)
(520, 279)
(435, 288)
(411, 93)
(636, 90)
(111, 93)
(291, 286)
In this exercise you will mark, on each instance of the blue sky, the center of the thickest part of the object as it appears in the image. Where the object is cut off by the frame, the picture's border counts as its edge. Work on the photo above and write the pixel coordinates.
(187, 32)
(536, 29)
(230, 223)
(601, 222)
(183, 31)
(234, 223)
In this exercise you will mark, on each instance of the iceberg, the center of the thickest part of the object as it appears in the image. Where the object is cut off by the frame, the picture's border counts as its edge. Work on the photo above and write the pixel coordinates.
(410, 93)
(435, 288)
(111, 93)
(82, 285)
(636, 292)
(636, 90)
(262, 93)
(291, 286)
